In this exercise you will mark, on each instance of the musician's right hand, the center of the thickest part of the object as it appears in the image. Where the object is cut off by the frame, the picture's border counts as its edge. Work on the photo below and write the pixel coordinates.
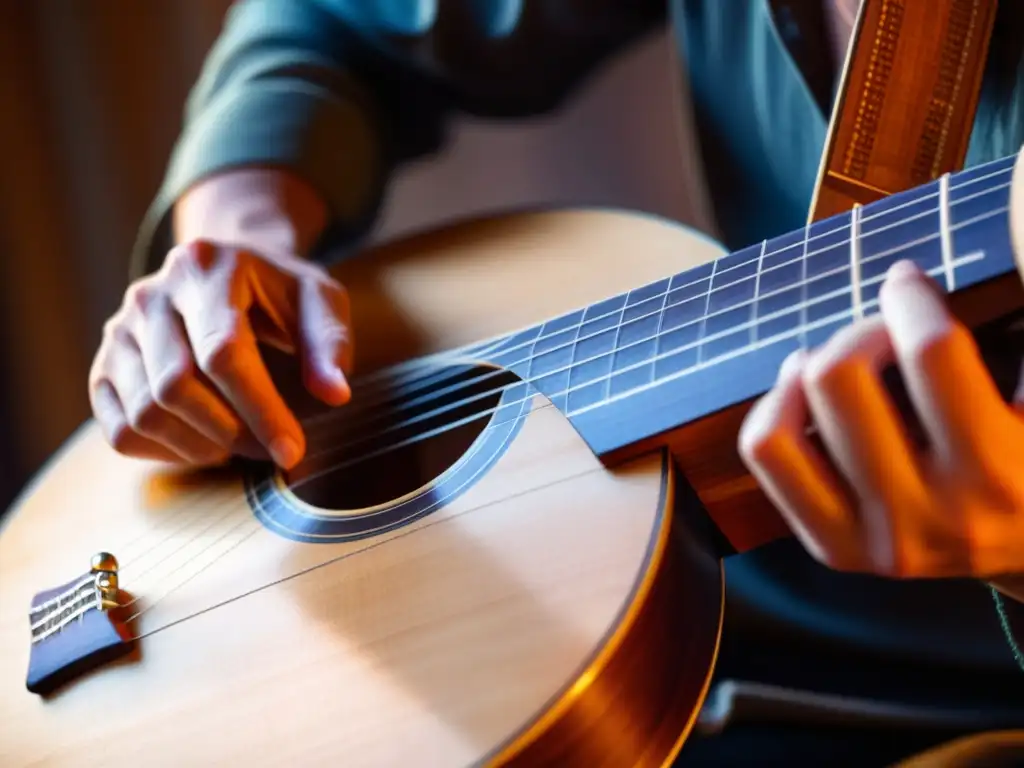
(178, 375)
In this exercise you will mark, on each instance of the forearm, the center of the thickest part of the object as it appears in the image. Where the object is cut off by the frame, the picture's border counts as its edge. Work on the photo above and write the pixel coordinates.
(266, 209)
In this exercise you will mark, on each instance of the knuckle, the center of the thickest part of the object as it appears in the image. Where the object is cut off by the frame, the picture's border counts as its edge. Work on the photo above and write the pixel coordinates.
(942, 343)
(143, 413)
(201, 257)
(171, 387)
(97, 375)
(334, 334)
(100, 362)
(336, 293)
(834, 551)
(199, 254)
(310, 271)
(113, 325)
(219, 349)
(822, 368)
(757, 444)
(119, 336)
(141, 296)
(319, 281)
(119, 437)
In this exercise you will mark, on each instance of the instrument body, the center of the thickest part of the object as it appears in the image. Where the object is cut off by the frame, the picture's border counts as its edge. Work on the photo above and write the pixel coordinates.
(554, 611)
(552, 594)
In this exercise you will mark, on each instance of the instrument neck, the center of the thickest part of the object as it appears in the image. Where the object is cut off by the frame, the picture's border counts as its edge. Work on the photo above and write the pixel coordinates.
(660, 363)
(738, 316)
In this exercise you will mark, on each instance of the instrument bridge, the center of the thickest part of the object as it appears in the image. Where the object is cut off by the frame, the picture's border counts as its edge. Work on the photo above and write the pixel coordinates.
(74, 627)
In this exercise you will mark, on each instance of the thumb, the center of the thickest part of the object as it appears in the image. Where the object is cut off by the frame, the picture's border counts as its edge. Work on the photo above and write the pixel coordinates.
(325, 339)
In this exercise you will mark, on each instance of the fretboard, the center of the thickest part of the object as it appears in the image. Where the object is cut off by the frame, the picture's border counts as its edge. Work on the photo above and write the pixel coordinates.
(715, 335)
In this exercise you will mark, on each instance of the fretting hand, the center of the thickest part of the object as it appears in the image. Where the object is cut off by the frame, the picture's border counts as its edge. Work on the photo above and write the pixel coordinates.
(872, 501)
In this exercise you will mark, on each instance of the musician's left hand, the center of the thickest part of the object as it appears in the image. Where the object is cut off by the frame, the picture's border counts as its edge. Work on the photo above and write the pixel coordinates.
(871, 501)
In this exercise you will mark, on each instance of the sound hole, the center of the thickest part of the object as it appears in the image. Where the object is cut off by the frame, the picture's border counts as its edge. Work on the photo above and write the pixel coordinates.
(391, 441)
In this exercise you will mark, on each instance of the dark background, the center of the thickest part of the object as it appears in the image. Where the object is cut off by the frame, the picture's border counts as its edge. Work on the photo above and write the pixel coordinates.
(91, 96)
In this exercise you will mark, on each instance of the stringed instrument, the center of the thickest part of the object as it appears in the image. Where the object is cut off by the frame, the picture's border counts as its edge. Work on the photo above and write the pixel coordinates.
(506, 549)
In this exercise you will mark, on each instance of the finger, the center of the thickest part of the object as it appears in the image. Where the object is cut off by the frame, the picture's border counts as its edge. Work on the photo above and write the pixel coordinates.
(326, 344)
(214, 297)
(953, 393)
(113, 423)
(170, 370)
(858, 422)
(1018, 395)
(794, 475)
(127, 375)
(1017, 211)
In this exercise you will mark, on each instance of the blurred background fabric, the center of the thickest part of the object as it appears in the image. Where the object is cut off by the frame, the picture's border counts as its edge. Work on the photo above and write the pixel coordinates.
(92, 96)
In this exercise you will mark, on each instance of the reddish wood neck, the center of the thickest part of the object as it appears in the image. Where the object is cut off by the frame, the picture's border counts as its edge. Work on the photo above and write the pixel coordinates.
(906, 101)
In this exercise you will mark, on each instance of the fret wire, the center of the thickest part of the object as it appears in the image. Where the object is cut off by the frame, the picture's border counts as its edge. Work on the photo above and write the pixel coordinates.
(658, 330)
(945, 234)
(818, 323)
(962, 261)
(615, 345)
(811, 239)
(811, 254)
(822, 322)
(643, 387)
(757, 293)
(948, 266)
(856, 290)
(1003, 166)
(1003, 171)
(702, 330)
(970, 258)
(876, 215)
(532, 358)
(575, 347)
(831, 319)
(803, 306)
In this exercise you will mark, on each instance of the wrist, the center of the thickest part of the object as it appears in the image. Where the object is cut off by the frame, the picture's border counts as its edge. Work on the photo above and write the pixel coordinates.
(262, 209)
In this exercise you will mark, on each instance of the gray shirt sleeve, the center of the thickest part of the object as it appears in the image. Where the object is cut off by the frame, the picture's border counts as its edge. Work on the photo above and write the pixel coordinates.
(341, 92)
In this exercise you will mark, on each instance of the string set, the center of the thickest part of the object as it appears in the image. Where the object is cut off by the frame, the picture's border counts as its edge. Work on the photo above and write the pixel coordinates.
(376, 394)
(427, 382)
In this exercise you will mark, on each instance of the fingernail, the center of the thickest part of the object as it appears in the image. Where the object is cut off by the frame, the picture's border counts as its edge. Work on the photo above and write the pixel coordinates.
(337, 377)
(338, 382)
(904, 268)
(285, 452)
(792, 364)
